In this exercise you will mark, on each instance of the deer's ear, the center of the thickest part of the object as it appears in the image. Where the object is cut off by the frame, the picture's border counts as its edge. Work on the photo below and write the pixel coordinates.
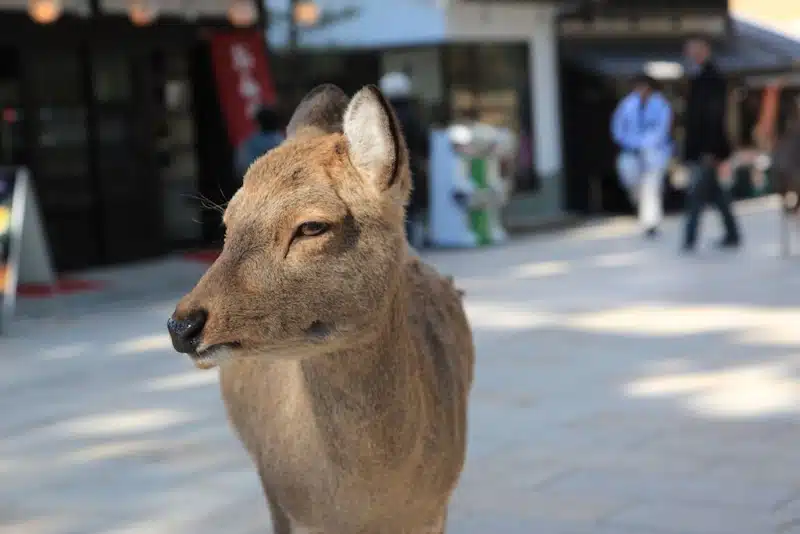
(375, 141)
(319, 113)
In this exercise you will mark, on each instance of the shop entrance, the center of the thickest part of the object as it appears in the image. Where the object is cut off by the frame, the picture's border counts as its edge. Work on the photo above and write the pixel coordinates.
(11, 140)
(89, 117)
(56, 120)
(123, 156)
(588, 102)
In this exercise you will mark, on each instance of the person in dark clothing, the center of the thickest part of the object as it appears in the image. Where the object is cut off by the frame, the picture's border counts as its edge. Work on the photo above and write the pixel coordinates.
(396, 86)
(706, 144)
(268, 136)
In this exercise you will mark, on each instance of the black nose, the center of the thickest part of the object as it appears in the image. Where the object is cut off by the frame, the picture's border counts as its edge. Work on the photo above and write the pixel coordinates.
(187, 331)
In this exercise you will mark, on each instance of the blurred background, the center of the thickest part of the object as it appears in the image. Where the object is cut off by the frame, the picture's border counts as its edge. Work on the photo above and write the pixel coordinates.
(128, 112)
(620, 388)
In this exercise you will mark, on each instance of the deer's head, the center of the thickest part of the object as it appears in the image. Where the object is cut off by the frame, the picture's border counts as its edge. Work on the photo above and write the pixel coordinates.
(314, 238)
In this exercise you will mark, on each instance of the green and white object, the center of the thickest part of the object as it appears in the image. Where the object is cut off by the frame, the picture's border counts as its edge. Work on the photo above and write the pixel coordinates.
(480, 148)
(467, 189)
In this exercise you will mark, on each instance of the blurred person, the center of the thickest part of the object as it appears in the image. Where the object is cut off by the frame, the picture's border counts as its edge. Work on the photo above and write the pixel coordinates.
(396, 86)
(641, 127)
(785, 171)
(706, 144)
(268, 136)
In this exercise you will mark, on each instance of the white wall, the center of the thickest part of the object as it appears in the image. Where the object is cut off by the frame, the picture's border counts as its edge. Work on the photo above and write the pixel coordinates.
(546, 95)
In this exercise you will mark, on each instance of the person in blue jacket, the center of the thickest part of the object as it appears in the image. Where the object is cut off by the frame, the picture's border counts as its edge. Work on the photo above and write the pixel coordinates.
(641, 127)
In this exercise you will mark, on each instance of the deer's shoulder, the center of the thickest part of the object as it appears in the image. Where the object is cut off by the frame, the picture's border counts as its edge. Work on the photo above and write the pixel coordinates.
(438, 319)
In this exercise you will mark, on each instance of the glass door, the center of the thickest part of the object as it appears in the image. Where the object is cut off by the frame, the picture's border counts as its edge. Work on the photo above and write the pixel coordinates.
(124, 161)
(177, 149)
(60, 160)
(11, 137)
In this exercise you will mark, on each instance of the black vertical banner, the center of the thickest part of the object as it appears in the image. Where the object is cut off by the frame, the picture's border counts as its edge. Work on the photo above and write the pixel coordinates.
(7, 183)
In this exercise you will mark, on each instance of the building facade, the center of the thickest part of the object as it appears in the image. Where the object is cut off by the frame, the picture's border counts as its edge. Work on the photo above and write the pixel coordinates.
(496, 59)
(551, 71)
(604, 48)
(119, 110)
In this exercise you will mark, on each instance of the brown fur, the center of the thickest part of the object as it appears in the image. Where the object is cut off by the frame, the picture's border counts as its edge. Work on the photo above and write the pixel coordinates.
(346, 362)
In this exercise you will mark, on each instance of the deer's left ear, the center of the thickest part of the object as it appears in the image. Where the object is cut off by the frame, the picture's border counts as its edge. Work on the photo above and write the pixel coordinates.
(319, 113)
(375, 142)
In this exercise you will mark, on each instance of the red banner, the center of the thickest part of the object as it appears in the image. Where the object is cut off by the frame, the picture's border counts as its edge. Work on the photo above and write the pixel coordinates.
(243, 79)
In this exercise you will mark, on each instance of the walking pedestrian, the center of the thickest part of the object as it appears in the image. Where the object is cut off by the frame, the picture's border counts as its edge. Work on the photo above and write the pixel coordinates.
(706, 144)
(641, 127)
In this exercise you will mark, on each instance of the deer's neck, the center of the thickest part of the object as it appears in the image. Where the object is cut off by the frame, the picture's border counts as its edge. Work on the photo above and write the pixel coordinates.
(367, 401)
(363, 401)
(379, 355)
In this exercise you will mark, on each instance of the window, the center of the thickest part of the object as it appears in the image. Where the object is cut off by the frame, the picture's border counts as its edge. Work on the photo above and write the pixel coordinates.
(491, 82)
(61, 149)
(11, 139)
(177, 148)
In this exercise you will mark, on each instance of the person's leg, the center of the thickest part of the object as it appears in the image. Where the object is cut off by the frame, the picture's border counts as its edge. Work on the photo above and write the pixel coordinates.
(650, 201)
(721, 199)
(695, 201)
(630, 177)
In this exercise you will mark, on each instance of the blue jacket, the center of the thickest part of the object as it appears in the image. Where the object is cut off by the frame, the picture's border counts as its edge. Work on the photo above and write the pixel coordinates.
(645, 129)
(254, 147)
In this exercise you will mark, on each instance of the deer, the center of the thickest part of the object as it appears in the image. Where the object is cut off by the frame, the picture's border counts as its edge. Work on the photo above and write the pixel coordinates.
(345, 362)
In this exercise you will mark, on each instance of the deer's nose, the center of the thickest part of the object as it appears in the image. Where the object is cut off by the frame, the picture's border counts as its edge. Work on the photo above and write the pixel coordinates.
(187, 331)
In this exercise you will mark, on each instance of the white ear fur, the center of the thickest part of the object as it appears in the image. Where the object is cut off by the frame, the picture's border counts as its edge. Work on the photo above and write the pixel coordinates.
(372, 135)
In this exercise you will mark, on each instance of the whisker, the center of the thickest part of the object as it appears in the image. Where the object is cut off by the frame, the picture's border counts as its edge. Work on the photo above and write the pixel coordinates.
(208, 204)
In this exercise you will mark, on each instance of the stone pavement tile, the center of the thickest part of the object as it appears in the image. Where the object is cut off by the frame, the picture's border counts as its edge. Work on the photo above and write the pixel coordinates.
(606, 529)
(578, 441)
(245, 516)
(675, 518)
(493, 427)
(721, 431)
(569, 508)
(725, 449)
(640, 460)
(513, 466)
(204, 505)
(764, 471)
(787, 514)
(487, 523)
(700, 488)
(39, 525)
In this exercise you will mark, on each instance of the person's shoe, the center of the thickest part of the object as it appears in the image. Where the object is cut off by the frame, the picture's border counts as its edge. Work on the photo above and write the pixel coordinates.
(651, 233)
(728, 243)
(687, 248)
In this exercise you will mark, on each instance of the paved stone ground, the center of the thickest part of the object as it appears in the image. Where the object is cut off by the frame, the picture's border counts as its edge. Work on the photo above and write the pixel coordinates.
(620, 389)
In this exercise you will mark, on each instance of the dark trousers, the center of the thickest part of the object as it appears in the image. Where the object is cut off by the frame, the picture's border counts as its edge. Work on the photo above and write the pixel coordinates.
(704, 188)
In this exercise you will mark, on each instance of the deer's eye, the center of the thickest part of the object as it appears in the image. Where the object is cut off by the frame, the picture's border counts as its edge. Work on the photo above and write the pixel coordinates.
(311, 229)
